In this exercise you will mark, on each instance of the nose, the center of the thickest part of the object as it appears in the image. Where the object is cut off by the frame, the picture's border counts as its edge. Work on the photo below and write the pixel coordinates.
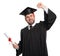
(30, 18)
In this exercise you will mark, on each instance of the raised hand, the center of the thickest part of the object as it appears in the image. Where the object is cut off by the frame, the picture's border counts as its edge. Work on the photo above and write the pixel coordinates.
(40, 5)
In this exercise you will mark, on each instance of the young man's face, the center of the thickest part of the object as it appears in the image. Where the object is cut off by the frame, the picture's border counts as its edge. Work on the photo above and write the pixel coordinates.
(30, 18)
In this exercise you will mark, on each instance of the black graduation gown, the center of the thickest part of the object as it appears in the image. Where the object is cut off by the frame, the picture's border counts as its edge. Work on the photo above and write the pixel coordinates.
(33, 41)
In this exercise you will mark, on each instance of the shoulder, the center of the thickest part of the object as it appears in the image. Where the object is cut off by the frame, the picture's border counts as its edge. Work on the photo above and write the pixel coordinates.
(24, 29)
(41, 24)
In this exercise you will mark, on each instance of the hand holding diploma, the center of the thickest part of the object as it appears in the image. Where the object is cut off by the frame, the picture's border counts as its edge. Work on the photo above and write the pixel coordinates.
(15, 45)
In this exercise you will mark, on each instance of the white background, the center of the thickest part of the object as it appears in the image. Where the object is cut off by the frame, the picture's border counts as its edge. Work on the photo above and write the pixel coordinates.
(11, 23)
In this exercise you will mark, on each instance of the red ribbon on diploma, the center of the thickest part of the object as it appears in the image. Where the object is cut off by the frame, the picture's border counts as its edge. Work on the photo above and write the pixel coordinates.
(9, 38)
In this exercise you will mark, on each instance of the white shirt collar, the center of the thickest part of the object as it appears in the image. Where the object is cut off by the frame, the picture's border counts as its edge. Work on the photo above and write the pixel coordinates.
(32, 25)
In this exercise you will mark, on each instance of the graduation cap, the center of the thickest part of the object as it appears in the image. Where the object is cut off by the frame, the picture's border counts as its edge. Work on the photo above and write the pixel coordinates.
(28, 10)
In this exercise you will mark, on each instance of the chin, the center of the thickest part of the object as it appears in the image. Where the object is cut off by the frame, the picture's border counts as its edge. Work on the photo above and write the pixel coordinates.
(31, 23)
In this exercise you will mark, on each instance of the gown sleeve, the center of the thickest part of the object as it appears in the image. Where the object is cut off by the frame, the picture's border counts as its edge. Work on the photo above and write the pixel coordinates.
(19, 51)
(49, 19)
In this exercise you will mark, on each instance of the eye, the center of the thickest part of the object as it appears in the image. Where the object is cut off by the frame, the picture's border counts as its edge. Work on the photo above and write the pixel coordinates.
(30, 15)
(27, 17)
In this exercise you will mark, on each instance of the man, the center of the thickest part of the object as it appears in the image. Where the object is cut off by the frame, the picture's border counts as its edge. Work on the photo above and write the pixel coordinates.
(33, 37)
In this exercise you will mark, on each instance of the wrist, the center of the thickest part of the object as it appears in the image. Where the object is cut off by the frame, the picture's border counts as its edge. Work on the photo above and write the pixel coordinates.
(43, 7)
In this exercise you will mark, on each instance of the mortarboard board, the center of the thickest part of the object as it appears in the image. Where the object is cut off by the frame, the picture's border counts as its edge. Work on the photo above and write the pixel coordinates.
(27, 10)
